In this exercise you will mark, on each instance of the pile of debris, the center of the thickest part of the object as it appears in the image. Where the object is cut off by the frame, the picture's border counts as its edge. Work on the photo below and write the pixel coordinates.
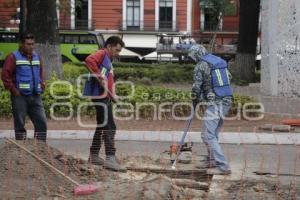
(253, 189)
(23, 176)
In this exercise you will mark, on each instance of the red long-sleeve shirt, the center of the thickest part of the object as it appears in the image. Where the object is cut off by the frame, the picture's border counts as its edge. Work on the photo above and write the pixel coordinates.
(8, 74)
(93, 61)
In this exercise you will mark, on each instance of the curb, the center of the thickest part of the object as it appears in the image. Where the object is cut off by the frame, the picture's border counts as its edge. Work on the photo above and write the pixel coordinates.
(174, 136)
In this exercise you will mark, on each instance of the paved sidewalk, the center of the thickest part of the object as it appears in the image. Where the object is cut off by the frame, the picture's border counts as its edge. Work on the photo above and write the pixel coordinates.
(174, 136)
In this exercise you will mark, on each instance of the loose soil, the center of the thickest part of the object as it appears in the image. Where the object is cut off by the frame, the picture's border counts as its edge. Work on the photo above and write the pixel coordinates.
(257, 189)
(23, 177)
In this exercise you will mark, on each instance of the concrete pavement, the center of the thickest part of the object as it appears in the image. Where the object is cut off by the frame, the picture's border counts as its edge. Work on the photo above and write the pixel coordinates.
(291, 138)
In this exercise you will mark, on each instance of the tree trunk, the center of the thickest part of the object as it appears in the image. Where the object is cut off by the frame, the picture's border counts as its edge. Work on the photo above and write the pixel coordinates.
(42, 22)
(248, 32)
(245, 67)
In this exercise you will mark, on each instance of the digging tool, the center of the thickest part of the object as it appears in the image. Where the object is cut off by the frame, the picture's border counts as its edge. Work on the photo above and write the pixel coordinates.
(182, 141)
(79, 189)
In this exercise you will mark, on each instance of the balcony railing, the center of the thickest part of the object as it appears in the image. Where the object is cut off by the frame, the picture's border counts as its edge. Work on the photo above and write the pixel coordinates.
(149, 25)
(79, 24)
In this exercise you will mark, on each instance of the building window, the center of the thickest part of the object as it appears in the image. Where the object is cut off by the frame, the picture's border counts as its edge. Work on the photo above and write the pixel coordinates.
(165, 13)
(81, 14)
(211, 19)
(133, 13)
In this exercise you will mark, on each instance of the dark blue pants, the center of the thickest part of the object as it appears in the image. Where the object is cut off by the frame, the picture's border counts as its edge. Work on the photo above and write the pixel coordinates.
(106, 128)
(33, 106)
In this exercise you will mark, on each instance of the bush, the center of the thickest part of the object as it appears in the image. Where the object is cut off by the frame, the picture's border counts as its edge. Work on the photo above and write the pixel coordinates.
(5, 103)
(142, 94)
(63, 90)
(160, 95)
(156, 73)
(241, 100)
(159, 73)
(73, 71)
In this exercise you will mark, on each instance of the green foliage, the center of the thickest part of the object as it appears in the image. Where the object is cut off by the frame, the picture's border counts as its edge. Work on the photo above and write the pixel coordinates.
(5, 103)
(230, 9)
(216, 5)
(147, 74)
(138, 73)
(158, 73)
(159, 96)
(140, 95)
(154, 65)
(73, 70)
(240, 101)
(65, 93)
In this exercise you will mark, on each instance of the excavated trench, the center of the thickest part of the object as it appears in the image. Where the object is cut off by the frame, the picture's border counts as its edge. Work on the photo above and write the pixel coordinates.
(23, 177)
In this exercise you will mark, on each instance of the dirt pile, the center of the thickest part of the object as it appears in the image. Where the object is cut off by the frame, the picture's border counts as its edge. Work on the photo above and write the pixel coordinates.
(23, 177)
(266, 189)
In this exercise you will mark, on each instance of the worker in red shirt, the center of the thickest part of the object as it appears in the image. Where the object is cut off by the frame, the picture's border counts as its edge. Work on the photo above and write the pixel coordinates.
(99, 87)
(22, 75)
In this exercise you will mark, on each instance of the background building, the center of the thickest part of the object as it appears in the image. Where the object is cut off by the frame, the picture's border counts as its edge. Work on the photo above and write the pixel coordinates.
(139, 21)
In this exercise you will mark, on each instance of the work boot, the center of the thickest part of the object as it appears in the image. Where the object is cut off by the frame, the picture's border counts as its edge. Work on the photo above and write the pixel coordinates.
(96, 160)
(218, 171)
(206, 164)
(112, 164)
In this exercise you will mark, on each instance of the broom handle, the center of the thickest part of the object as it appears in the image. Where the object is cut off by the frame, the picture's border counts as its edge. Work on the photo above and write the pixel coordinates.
(44, 162)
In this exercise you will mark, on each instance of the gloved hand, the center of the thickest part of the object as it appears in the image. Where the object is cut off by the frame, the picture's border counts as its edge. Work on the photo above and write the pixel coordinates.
(211, 96)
